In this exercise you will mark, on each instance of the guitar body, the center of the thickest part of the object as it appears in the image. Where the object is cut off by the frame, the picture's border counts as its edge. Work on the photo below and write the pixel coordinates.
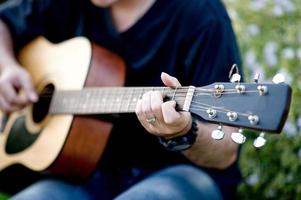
(64, 145)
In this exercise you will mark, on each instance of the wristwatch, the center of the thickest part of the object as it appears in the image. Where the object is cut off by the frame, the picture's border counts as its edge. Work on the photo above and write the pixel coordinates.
(182, 142)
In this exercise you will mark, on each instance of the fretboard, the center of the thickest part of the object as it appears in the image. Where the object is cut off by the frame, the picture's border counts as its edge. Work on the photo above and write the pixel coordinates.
(109, 100)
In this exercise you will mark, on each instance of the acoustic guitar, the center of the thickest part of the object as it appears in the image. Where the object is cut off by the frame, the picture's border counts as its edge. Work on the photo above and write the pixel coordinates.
(77, 80)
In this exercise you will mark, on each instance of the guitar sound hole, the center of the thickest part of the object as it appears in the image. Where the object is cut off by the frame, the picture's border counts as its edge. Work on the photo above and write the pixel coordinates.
(40, 109)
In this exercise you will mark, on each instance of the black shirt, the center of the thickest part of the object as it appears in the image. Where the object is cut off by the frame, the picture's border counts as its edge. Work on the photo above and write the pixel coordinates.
(191, 40)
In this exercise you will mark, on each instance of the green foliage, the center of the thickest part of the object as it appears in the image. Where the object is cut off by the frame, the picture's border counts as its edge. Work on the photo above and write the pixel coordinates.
(3, 196)
(269, 35)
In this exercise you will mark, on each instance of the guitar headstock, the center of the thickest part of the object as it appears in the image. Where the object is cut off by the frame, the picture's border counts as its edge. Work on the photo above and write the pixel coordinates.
(255, 106)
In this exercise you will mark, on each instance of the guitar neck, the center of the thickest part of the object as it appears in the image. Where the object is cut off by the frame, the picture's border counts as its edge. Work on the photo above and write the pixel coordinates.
(111, 100)
(234, 104)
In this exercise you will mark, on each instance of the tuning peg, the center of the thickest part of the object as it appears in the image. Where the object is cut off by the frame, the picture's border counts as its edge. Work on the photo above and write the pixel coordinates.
(278, 78)
(238, 137)
(262, 89)
(218, 133)
(256, 78)
(259, 141)
(236, 77)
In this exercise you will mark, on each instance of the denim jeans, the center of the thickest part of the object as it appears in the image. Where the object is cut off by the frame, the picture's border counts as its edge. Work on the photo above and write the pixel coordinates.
(172, 183)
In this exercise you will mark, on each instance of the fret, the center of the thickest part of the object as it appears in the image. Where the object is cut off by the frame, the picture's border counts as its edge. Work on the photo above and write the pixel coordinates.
(83, 103)
(93, 106)
(140, 94)
(119, 100)
(97, 99)
(86, 103)
(163, 90)
(103, 100)
(135, 98)
(168, 91)
(174, 93)
(129, 99)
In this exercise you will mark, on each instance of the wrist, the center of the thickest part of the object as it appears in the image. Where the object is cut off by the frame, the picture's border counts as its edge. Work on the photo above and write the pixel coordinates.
(184, 131)
(181, 142)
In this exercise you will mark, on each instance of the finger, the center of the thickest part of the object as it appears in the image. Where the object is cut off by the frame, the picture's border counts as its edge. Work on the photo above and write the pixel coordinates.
(141, 117)
(146, 105)
(28, 88)
(10, 95)
(156, 105)
(169, 81)
(170, 115)
(6, 107)
(138, 110)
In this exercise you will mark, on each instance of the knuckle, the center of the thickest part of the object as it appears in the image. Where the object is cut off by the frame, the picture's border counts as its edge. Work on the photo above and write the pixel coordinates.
(146, 111)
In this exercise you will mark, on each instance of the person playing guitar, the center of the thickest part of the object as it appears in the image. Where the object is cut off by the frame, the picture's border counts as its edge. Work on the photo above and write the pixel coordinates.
(191, 40)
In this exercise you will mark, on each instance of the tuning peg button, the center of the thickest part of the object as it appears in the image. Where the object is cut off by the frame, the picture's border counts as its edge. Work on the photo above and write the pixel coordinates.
(278, 78)
(238, 137)
(235, 78)
(218, 133)
(259, 141)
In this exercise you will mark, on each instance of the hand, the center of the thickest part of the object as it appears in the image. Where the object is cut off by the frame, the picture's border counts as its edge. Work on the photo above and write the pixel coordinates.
(14, 79)
(161, 118)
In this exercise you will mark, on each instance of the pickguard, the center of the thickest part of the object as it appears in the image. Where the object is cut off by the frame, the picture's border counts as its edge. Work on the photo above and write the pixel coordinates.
(19, 138)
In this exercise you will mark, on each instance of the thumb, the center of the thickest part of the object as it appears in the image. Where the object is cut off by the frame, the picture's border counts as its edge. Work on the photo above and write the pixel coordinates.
(169, 81)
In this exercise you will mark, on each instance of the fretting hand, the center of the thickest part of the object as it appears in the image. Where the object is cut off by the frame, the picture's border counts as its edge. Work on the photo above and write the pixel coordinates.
(161, 118)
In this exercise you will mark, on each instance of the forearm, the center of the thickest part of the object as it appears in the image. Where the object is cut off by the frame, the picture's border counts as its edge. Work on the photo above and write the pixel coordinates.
(208, 152)
(7, 57)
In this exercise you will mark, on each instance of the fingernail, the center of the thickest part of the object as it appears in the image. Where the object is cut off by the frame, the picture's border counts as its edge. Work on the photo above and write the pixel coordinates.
(164, 74)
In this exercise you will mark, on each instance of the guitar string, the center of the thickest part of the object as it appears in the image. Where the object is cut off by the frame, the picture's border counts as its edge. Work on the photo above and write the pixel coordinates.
(50, 94)
(196, 105)
(191, 109)
(171, 90)
(218, 109)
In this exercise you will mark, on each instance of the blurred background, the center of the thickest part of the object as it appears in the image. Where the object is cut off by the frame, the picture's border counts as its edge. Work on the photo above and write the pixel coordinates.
(269, 36)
